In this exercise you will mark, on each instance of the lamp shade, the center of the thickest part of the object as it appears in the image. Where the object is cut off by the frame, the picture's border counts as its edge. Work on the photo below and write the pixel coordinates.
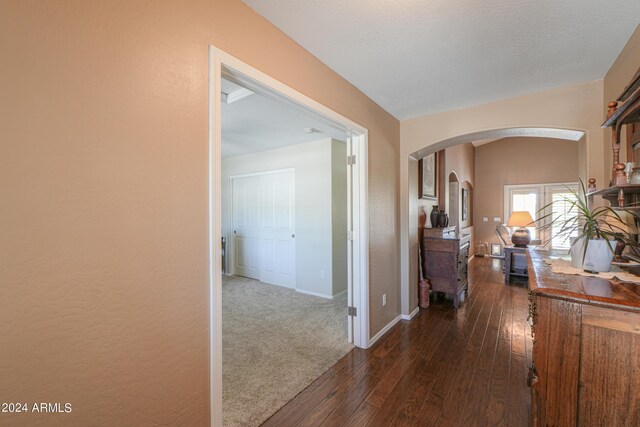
(520, 219)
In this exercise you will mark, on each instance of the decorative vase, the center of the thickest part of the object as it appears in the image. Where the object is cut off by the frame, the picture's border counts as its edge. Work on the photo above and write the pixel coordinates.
(434, 216)
(422, 217)
(443, 219)
(521, 238)
(598, 256)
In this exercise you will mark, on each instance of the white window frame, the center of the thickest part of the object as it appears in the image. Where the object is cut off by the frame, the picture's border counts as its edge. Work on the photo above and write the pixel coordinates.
(544, 192)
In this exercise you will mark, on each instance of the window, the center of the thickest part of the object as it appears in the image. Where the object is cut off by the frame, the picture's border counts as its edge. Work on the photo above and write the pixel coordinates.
(561, 210)
(532, 198)
(525, 199)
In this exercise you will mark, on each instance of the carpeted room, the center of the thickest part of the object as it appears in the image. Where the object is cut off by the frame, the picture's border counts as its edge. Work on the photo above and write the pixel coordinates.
(284, 220)
(275, 342)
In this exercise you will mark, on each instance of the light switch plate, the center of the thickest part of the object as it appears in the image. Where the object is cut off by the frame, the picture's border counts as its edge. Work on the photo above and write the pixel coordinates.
(496, 219)
(485, 219)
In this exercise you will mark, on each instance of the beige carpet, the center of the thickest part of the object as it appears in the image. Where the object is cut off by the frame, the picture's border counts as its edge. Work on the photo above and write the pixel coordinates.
(275, 342)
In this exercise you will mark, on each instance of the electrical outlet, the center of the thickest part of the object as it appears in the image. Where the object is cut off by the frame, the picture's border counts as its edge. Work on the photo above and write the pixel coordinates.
(322, 274)
(485, 219)
(496, 219)
(384, 299)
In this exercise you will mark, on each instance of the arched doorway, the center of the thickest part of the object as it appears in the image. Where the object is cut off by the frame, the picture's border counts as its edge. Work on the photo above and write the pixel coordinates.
(410, 236)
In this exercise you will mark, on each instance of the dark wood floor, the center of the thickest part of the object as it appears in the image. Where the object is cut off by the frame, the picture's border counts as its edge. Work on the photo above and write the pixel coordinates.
(443, 368)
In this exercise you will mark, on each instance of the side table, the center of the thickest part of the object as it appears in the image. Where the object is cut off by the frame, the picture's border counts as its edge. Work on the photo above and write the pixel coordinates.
(509, 253)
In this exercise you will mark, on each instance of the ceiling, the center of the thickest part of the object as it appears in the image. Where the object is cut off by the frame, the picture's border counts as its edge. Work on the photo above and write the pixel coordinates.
(252, 122)
(416, 57)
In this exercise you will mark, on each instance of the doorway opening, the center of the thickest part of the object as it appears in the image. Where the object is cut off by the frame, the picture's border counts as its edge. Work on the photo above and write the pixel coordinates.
(483, 163)
(265, 254)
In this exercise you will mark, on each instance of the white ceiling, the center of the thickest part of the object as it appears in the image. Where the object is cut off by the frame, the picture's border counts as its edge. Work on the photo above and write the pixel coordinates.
(257, 123)
(416, 57)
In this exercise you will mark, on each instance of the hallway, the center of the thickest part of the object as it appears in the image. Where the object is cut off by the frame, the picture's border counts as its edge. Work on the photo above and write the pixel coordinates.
(442, 368)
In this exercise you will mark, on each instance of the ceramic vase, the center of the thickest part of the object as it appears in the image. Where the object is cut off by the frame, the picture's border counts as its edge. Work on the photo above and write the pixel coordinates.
(434, 216)
(443, 219)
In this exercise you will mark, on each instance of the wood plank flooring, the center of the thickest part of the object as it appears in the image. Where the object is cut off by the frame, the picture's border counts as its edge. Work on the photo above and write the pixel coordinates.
(442, 368)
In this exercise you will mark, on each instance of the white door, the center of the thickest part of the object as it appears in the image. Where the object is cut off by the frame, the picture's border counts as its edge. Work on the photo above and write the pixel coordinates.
(246, 227)
(277, 234)
(264, 227)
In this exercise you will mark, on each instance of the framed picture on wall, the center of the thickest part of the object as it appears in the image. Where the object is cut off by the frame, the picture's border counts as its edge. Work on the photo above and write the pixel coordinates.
(465, 204)
(428, 177)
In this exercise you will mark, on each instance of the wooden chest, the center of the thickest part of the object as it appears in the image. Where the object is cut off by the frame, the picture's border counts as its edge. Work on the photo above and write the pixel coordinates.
(586, 342)
(445, 262)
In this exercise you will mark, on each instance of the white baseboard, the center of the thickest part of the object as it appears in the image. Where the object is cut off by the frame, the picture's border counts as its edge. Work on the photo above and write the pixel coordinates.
(315, 294)
(384, 330)
(339, 294)
(410, 315)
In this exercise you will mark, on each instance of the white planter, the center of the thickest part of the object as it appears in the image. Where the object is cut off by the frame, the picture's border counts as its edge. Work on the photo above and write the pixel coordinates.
(598, 257)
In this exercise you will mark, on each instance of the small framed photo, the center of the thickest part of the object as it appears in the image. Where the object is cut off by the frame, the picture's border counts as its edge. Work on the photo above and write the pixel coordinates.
(496, 250)
(428, 179)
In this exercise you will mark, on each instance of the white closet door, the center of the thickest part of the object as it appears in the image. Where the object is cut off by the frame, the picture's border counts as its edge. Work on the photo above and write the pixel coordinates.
(246, 226)
(277, 234)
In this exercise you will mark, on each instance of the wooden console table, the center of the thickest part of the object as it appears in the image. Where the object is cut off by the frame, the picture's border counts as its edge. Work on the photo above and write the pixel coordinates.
(445, 262)
(586, 349)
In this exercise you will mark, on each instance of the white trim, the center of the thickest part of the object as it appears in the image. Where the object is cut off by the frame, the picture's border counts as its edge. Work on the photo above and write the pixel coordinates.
(384, 330)
(315, 294)
(215, 235)
(259, 173)
(360, 225)
(410, 315)
(255, 80)
(339, 294)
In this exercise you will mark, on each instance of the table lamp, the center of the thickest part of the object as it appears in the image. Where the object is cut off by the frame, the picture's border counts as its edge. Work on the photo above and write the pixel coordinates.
(521, 237)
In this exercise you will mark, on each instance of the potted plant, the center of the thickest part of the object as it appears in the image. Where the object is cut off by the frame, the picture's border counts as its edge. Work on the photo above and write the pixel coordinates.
(593, 233)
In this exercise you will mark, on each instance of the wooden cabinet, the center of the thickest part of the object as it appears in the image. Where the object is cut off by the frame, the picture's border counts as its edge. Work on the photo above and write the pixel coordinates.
(586, 347)
(445, 262)
(625, 111)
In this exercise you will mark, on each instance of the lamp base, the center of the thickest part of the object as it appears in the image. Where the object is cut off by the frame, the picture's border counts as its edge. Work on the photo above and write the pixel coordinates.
(521, 238)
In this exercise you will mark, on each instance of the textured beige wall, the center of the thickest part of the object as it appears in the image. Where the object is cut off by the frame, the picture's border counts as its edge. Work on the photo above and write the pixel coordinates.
(339, 216)
(458, 159)
(517, 161)
(103, 216)
(572, 107)
(461, 160)
(617, 78)
(414, 206)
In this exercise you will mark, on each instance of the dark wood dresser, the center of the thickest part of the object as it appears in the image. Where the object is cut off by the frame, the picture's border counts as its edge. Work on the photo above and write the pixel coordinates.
(445, 258)
(586, 349)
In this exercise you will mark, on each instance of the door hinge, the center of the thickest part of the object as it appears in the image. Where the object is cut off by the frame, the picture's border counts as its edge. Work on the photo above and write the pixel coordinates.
(351, 160)
(351, 235)
(353, 311)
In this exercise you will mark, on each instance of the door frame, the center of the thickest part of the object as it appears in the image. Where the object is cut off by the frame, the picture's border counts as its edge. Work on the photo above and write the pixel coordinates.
(358, 248)
(231, 243)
